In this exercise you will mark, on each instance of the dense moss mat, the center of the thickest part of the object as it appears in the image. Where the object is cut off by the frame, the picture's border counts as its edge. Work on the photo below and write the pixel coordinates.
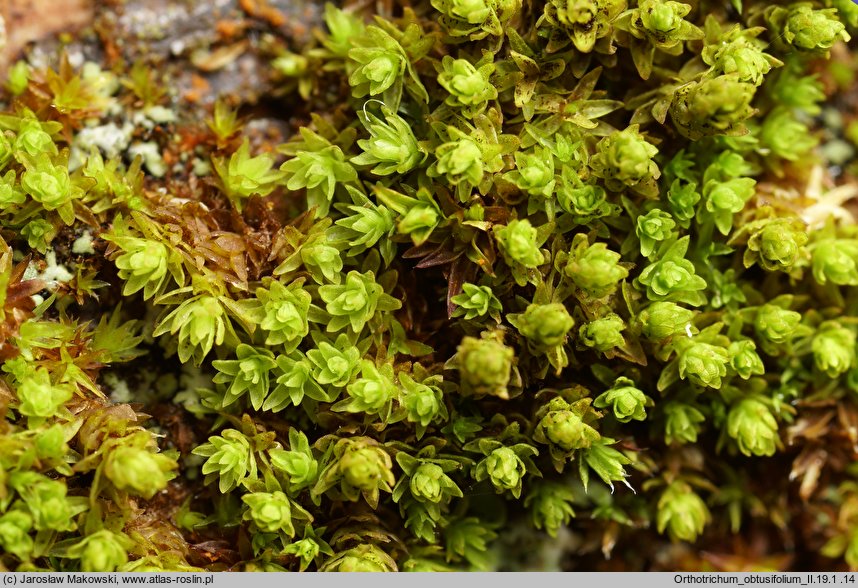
(471, 275)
